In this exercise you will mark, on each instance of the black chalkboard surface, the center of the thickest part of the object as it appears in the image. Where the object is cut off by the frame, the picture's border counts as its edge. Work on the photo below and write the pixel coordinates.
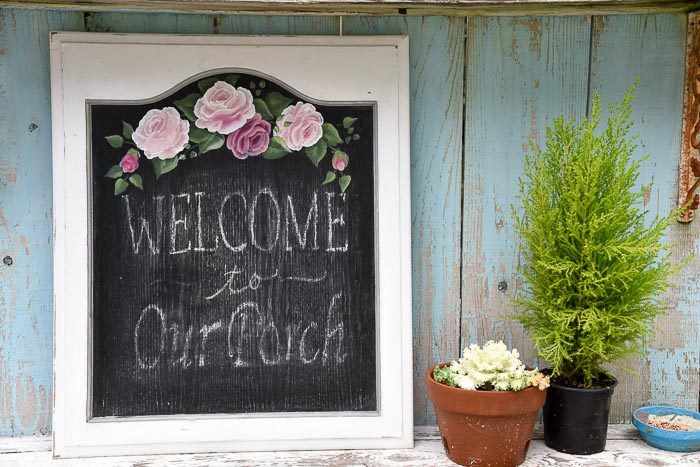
(233, 252)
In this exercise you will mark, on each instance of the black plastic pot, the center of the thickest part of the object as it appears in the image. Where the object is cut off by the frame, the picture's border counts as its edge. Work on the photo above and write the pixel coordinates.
(576, 420)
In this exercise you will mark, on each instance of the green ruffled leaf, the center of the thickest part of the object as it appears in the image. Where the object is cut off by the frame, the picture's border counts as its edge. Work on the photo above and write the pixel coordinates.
(317, 152)
(215, 141)
(161, 166)
(348, 122)
(232, 79)
(115, 141)
(186, 105)
(276, 149)
(206, 83)
(198, 135)
(276, 102)
(120, 186)
(127, 130)
(344, 182)
(262, 109)
(114, 172)
(137, 181)
(330, 134)
(330, 176)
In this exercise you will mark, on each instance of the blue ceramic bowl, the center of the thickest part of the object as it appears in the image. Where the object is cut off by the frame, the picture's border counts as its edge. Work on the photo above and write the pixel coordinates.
(668, 440)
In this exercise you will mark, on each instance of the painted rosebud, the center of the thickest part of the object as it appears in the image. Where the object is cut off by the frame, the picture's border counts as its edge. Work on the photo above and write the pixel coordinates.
(340, 160)
(130, 161)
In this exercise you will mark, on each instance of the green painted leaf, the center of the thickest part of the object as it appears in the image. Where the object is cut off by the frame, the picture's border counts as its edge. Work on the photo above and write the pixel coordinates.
(134, 152)
(120, 186)
(344, 182)
(215, 141)
(317, 152)
(127, 130)
(330, 134)
(114, 172)
(276, 149)
(232, 79)
(169, 165)
(276, 102)
(330, 176)
(198, 135)
(136, 180)
(157, 166)
(186, 105)
(348, 122)
(261, 108)
(206, 83)
(115, 141)
(161, 167)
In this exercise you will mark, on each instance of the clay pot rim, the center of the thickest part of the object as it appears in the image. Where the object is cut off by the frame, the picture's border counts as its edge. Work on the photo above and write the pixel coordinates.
(429, 377)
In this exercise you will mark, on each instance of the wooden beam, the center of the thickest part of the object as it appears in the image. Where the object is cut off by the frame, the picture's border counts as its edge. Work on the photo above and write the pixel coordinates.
(373, 7)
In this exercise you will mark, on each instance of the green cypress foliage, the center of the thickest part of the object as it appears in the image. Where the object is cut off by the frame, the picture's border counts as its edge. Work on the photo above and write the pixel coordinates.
(593, 269)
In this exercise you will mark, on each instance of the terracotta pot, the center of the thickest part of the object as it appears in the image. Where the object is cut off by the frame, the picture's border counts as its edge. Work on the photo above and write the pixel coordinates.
(485, 428)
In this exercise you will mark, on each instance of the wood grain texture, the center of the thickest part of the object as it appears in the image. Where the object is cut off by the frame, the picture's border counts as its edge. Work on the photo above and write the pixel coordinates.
(437, 63)
(384, 7)
(651, 48)
(620, 452)
(26, 332)
(520, 74)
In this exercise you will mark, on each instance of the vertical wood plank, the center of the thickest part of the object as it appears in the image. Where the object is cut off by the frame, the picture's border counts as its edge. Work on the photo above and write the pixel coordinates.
(521, 73)
(26, 294)
(437, 64)
(652, 48)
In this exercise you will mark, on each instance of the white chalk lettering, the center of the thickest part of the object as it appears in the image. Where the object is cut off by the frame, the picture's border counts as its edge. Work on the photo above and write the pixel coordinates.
(175, 221)
(252, 219)
(145, 230)
(311, 221)
(333, 221)
(337, 331)
(150, 361)
(231, 247)
(200, 235)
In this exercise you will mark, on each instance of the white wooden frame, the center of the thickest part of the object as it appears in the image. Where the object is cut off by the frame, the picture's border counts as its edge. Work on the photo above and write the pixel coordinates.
(92, 66)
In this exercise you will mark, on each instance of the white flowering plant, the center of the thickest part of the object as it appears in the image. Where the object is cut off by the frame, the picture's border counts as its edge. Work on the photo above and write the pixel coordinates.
(491, 368)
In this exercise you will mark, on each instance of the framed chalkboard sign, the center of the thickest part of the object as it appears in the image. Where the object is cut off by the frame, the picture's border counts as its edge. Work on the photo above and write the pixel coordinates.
(232, 250)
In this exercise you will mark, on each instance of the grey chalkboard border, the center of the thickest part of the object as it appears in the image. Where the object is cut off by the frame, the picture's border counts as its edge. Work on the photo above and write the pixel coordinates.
(90, 209)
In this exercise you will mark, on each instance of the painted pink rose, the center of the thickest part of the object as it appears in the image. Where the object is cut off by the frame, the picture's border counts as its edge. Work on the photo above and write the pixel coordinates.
(340, 160)
(129, 163)
(161, 133)
(223, 108)
(300, 126)
(251, 139)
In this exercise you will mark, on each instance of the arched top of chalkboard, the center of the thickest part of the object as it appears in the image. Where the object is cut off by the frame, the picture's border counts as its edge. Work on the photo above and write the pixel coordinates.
(237, 110)
(235, 71)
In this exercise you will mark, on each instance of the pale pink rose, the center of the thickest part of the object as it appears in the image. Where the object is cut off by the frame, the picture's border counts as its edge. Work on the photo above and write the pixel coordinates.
(161, 133)
(251, 139)
(129, 163)
(223, 108)
(340, 160)
(300, 126)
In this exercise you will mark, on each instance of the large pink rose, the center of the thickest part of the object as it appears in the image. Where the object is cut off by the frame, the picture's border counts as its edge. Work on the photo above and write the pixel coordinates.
(300, 126)
(161, 133)
(223, 108)
(251, 139)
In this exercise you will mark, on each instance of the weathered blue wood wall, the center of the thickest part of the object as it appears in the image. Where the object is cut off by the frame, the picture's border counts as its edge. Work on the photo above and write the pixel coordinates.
(482, 90)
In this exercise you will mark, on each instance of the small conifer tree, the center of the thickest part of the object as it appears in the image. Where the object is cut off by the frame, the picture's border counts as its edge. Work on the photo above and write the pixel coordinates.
(594, 266)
